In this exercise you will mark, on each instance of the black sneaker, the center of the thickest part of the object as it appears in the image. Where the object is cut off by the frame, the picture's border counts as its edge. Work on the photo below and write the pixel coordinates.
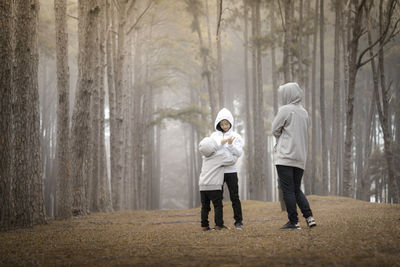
(239, 226)
(290, 225)
(311, 222)
(205, 229)
(221, 227)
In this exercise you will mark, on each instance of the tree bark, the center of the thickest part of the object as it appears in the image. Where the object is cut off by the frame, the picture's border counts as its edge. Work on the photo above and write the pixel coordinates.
(7, 205)
(81, 132)
(248, 93)
(63, 191)
(325, 177)
(313, 103)
(336, 101)
(28, 187)
(348, 189)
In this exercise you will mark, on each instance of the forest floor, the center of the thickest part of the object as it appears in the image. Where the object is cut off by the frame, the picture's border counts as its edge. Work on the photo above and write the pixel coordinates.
(349, 232)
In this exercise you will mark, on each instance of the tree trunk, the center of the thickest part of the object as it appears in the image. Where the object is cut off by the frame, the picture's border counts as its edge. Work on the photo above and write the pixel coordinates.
(313, 103)
(95, 118)
(63, 192)
(325, 177)
(336, 101)
(28, 185)
(7, 208)
(80, 133)
(353, 69)
(220, 86)
(287, 41)
(384, 118)
(249, 128)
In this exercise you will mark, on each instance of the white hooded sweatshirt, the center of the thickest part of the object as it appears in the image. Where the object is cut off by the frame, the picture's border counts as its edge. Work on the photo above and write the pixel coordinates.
(290, 127)
(212, 169)
(237, 146)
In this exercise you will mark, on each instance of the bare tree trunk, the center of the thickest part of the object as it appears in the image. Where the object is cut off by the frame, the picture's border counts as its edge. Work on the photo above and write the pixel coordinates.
(80, 133)
(7, 204)
(249, 128)
(348, 190)
(313, 103)
(63, 192)
(384, 118)
(255, 178)
(336, 101)
(287, 41)
(94, 177)
(28, 185)
(325, 177)
(220, 87)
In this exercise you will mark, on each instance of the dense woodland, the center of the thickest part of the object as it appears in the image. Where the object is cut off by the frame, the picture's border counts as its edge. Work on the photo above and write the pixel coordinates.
(104, 102)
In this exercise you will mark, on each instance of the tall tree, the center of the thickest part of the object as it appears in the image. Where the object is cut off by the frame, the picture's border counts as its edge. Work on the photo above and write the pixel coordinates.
(28, 187)
(325, 176)
(80, 132)
(220, 84)
(7, 209)
(336, 100)
(313, 103)
(63, 191)
(194, 7)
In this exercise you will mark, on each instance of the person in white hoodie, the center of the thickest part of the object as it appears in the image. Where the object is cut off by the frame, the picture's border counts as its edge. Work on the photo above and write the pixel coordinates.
(211, 180)
(223, 135)
(290, 128)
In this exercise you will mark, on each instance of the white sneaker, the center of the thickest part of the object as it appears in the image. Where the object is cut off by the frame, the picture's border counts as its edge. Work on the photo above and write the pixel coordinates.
(311, 222)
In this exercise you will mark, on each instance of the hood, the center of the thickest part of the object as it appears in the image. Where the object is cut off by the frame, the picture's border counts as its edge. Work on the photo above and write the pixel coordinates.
(289, 93)
(224, 114)
(207, 146)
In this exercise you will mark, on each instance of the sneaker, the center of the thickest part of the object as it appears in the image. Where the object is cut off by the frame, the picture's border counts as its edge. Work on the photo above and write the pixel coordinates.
(290, 225)
(221, 227)
(239, 226)
(310, 222)
(205, 229)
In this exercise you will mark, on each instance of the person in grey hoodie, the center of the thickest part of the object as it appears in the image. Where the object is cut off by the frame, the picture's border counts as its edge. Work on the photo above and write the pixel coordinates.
(212, 178)
(290, 128)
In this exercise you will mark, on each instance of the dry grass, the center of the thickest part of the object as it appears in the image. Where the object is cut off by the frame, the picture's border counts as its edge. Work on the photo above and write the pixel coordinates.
(349, 232)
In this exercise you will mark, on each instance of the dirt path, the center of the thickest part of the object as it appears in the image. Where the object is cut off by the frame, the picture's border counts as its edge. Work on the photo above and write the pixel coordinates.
(349, 232)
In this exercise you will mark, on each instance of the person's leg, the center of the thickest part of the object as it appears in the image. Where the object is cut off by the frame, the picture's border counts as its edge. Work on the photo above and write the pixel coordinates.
(231, 180)
(216, 198)
(205, 208)
(286, 180)
(301, 199)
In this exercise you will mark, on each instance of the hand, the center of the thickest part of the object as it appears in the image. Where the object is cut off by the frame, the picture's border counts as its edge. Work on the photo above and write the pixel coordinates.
(223, 141)
(230, 140)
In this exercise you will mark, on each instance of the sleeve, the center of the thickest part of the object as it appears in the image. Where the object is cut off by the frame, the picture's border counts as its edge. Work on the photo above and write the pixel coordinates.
(228, 159)
(279, 122)
(236, 148)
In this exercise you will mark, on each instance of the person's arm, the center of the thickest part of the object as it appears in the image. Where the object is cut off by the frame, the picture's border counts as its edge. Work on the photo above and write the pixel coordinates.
(279, 122)
(236, 147)
(228, 159)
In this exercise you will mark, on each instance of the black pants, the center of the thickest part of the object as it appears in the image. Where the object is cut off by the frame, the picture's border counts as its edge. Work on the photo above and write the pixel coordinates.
(231, 180)
(216, 197)
(290, 182)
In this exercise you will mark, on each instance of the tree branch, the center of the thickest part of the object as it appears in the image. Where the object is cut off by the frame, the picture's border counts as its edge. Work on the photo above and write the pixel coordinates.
(280, 11)
(219, 16)
(139, 18)
(382, 37)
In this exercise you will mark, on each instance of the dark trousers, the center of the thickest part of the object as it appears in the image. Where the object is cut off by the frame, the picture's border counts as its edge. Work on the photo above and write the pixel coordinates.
(290, 182)
(216, 197)
(231, 180)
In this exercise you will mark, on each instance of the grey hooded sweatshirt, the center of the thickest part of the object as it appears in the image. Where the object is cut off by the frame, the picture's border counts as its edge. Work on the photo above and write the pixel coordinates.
(214, 160)
(237, 146)
(290, 127)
